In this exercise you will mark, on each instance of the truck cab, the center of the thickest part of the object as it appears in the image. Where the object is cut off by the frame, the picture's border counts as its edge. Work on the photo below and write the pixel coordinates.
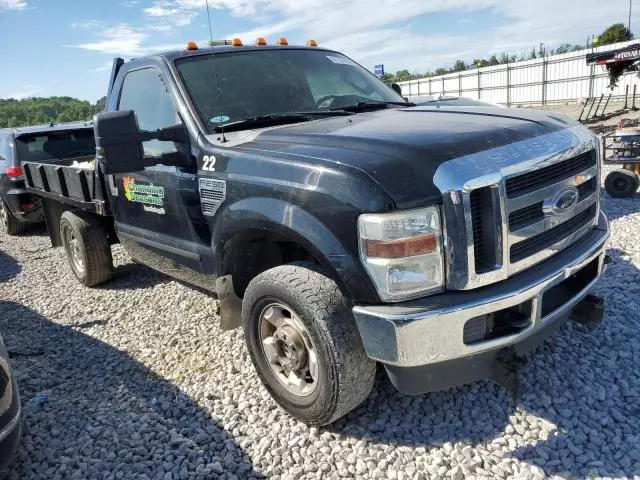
(338, 224)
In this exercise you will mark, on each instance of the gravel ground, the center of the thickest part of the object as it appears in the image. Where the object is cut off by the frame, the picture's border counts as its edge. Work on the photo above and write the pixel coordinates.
(135, 380)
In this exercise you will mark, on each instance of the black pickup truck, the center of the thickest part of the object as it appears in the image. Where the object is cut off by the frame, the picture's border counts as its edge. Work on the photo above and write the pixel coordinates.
(338, 224)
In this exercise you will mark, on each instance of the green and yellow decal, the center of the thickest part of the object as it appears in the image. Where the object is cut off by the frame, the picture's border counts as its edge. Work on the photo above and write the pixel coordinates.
(148, 195)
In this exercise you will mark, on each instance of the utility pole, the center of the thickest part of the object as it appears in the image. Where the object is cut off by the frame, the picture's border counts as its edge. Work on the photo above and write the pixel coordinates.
(629, 24)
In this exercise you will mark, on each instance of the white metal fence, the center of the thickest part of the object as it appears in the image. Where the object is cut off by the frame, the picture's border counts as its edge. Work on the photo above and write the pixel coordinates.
(557, 78)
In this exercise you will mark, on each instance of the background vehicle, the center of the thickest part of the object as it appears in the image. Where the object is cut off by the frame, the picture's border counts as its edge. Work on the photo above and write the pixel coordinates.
(9, 412)
(40, 143)
(338, 224)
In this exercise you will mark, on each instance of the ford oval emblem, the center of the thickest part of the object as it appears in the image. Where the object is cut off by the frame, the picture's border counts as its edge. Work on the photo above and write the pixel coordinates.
(563, 201)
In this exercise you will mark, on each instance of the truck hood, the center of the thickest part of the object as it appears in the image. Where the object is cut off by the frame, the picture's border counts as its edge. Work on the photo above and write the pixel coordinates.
(401, 148)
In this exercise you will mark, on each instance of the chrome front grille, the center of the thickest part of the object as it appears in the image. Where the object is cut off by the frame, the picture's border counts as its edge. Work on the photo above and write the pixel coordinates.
(525, 216)
(532, 181)
(548, 238)
(515, 206)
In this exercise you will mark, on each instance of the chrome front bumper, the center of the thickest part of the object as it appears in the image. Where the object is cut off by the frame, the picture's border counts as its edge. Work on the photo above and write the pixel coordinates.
(429, 331)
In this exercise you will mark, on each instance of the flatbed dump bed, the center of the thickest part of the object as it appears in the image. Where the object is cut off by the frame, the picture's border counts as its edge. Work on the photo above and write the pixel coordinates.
(67, 182)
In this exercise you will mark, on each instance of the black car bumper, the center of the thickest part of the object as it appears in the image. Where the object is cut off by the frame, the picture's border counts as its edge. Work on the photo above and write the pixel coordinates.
(22, 205)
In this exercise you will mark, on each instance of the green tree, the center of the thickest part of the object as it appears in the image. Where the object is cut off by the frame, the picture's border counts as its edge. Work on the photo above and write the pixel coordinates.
(31, 111)
(402, 75)
(542, 51)
(388, 78)
(100, 105)
(459, 66)
(614, 33)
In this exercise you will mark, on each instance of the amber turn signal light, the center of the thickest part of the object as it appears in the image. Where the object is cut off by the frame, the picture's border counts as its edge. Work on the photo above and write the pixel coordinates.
(407, 247)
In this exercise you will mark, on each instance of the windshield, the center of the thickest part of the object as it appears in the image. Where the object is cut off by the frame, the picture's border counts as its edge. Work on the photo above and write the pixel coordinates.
(38, 147)
(254, 83)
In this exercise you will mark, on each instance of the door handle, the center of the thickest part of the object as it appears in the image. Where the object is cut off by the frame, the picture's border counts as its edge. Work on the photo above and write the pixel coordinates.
(112, 185)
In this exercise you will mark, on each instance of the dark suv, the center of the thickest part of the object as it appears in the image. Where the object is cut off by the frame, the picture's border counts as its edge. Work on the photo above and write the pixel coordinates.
(38, 143)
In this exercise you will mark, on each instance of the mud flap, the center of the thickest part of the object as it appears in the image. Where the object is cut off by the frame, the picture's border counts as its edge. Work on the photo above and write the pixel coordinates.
(589, 312)
(230, 304)
(504, 371)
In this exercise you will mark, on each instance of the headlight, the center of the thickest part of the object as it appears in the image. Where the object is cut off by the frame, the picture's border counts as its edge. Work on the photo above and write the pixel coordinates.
(402, 251)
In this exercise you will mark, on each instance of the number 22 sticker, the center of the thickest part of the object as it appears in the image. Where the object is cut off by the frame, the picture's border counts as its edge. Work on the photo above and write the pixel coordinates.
(209, 162)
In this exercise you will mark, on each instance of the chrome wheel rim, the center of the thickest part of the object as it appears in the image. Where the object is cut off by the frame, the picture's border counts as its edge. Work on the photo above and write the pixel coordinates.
(288, 349)
(73, 245)
(3, 215)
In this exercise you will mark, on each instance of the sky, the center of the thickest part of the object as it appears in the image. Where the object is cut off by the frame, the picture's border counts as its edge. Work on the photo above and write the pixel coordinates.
(65, 47)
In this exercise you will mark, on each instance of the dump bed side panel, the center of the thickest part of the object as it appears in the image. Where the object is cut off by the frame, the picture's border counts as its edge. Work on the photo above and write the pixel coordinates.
(81, 187)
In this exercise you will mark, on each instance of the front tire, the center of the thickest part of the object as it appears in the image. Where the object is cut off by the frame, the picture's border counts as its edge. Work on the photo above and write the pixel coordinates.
(304, 343)
(87, 246)
(621, 183)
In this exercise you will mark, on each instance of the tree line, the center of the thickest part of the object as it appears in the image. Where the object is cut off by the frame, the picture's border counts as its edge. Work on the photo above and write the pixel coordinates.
(612, 34)
(36, 111)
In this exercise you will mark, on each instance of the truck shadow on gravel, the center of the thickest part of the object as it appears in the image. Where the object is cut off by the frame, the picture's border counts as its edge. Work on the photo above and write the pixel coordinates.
(579, 416)
(89, 409)
(134, 276)
(9, 267)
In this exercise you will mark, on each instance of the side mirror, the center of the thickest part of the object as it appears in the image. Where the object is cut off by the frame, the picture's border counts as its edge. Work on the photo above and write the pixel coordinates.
(397, 88)
(118, 142)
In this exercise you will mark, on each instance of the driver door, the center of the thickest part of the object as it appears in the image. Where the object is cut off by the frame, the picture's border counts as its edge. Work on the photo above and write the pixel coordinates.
(150, 209)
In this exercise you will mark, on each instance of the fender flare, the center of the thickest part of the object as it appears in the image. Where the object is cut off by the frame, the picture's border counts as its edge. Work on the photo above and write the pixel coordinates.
(293, 222)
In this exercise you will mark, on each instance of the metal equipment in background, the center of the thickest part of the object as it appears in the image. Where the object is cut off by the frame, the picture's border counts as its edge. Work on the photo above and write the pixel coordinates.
(617, 62)
(592, 116)
(622, 147)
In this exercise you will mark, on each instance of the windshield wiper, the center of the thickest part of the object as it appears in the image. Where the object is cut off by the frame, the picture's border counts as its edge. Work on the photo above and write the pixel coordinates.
(371, 105)
(278, 119)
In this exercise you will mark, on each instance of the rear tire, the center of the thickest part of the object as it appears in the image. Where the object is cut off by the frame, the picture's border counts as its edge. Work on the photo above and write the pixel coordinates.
(86, 243)
(316, 325)
(8, 223)
(621, 183)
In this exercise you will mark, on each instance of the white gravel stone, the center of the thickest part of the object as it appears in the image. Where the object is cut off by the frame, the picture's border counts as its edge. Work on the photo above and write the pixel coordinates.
(141, 383)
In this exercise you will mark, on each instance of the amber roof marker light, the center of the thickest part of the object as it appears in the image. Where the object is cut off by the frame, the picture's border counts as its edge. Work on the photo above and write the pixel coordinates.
(283, 41)
(236, 42)
(312, 43)
(261, 41)
(191, 45)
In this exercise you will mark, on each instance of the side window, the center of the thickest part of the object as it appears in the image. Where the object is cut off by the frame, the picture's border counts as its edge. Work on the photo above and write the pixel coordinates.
(144, 92)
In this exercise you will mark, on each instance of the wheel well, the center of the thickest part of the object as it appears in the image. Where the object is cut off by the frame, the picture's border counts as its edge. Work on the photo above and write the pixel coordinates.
(252, 252)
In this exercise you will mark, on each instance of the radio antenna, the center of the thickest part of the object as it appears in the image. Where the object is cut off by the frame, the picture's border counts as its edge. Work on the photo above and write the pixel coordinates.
(215, 70)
